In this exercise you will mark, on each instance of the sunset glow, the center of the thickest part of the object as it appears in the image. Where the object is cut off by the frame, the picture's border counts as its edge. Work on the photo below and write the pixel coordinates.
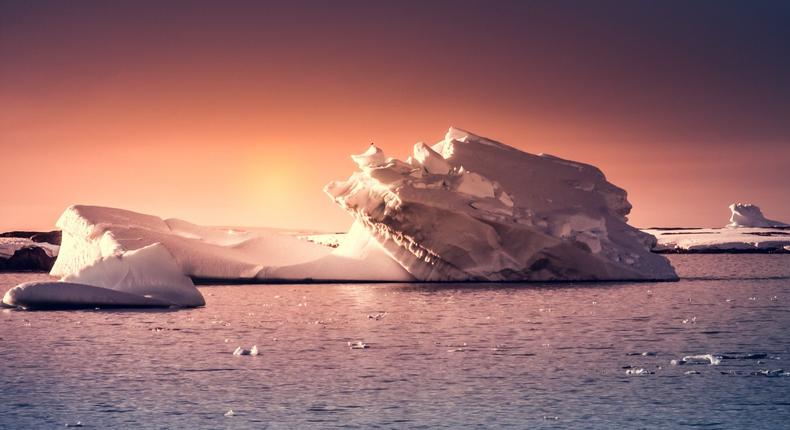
(239, 115)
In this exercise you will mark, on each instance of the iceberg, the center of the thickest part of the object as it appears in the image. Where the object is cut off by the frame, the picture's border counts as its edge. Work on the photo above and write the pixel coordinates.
(472, 209)
(747, 232)
(465, 209)
(94, 234)
(147, 277)
(749, 215)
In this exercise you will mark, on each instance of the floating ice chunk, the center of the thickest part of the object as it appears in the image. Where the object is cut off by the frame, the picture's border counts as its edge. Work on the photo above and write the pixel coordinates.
(429, 159)
(702, 358)
(150, 272)
(230, 413)
(358, 345)
(638, 372)
(241, 351)
(691, 372)
(69, 295)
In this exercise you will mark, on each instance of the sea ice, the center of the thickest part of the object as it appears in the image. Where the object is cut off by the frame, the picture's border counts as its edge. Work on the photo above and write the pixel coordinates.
(702, 358)
(748, 231)
(472, 209)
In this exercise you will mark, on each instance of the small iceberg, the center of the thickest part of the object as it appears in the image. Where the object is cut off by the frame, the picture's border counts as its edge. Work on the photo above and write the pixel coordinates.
(241, 351)
(638, 372)
(711, 359)
(358, 345)
(144, 278)
(230, 413)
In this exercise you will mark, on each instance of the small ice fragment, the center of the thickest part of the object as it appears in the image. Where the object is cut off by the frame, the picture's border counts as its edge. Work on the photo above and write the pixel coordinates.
(377, 316)
(638, 372)
(691, 372)
(547, 418)
(753, 298)
(230, 413)
(712, 359)
(358, 345)
(254, 350)
(774, 298)
(730, 300)
(77, 424)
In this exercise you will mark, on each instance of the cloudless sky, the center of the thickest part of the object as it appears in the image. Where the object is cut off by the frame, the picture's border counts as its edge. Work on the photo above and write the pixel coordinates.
(237, 112)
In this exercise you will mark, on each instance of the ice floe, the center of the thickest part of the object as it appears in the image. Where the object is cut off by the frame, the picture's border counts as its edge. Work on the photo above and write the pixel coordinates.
(748, 231)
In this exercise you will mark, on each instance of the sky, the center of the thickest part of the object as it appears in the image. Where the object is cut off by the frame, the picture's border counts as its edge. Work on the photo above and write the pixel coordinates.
(238, 113)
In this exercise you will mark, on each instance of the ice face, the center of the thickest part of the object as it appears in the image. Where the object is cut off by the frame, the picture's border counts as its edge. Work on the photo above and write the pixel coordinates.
(470, 208)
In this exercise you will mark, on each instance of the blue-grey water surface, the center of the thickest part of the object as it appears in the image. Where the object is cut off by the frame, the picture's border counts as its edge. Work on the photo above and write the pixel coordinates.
(450, 355)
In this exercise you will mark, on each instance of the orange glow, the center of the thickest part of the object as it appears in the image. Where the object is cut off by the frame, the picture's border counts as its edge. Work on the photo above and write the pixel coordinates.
(239, 117)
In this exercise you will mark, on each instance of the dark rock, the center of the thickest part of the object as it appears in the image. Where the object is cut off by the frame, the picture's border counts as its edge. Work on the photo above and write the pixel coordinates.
(30, 259)
(52, 237)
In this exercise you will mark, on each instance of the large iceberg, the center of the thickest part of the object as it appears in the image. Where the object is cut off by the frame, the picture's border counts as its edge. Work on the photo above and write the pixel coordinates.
(748, 232)
(472, 209)
(465, 209)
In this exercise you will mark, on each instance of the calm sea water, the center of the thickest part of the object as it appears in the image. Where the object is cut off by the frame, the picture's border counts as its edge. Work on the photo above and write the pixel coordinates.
(481, 355)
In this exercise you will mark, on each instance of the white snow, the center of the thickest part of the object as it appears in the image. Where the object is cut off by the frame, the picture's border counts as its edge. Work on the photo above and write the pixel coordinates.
(10, 245)
(497, 214)
(748, 231)
(92, 234)
(144, 277)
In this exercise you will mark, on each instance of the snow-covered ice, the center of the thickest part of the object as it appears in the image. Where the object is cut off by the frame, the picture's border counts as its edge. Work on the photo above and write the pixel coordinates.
(472, 209)
(66, 295)
(748, 231)
(92, 233)
(144, 277)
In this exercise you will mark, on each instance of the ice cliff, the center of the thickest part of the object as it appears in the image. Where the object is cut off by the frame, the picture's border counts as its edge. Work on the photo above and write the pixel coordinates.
(472, 209)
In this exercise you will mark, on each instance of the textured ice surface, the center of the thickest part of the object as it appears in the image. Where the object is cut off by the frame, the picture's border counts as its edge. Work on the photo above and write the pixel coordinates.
(469, 208)
(92, 234)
